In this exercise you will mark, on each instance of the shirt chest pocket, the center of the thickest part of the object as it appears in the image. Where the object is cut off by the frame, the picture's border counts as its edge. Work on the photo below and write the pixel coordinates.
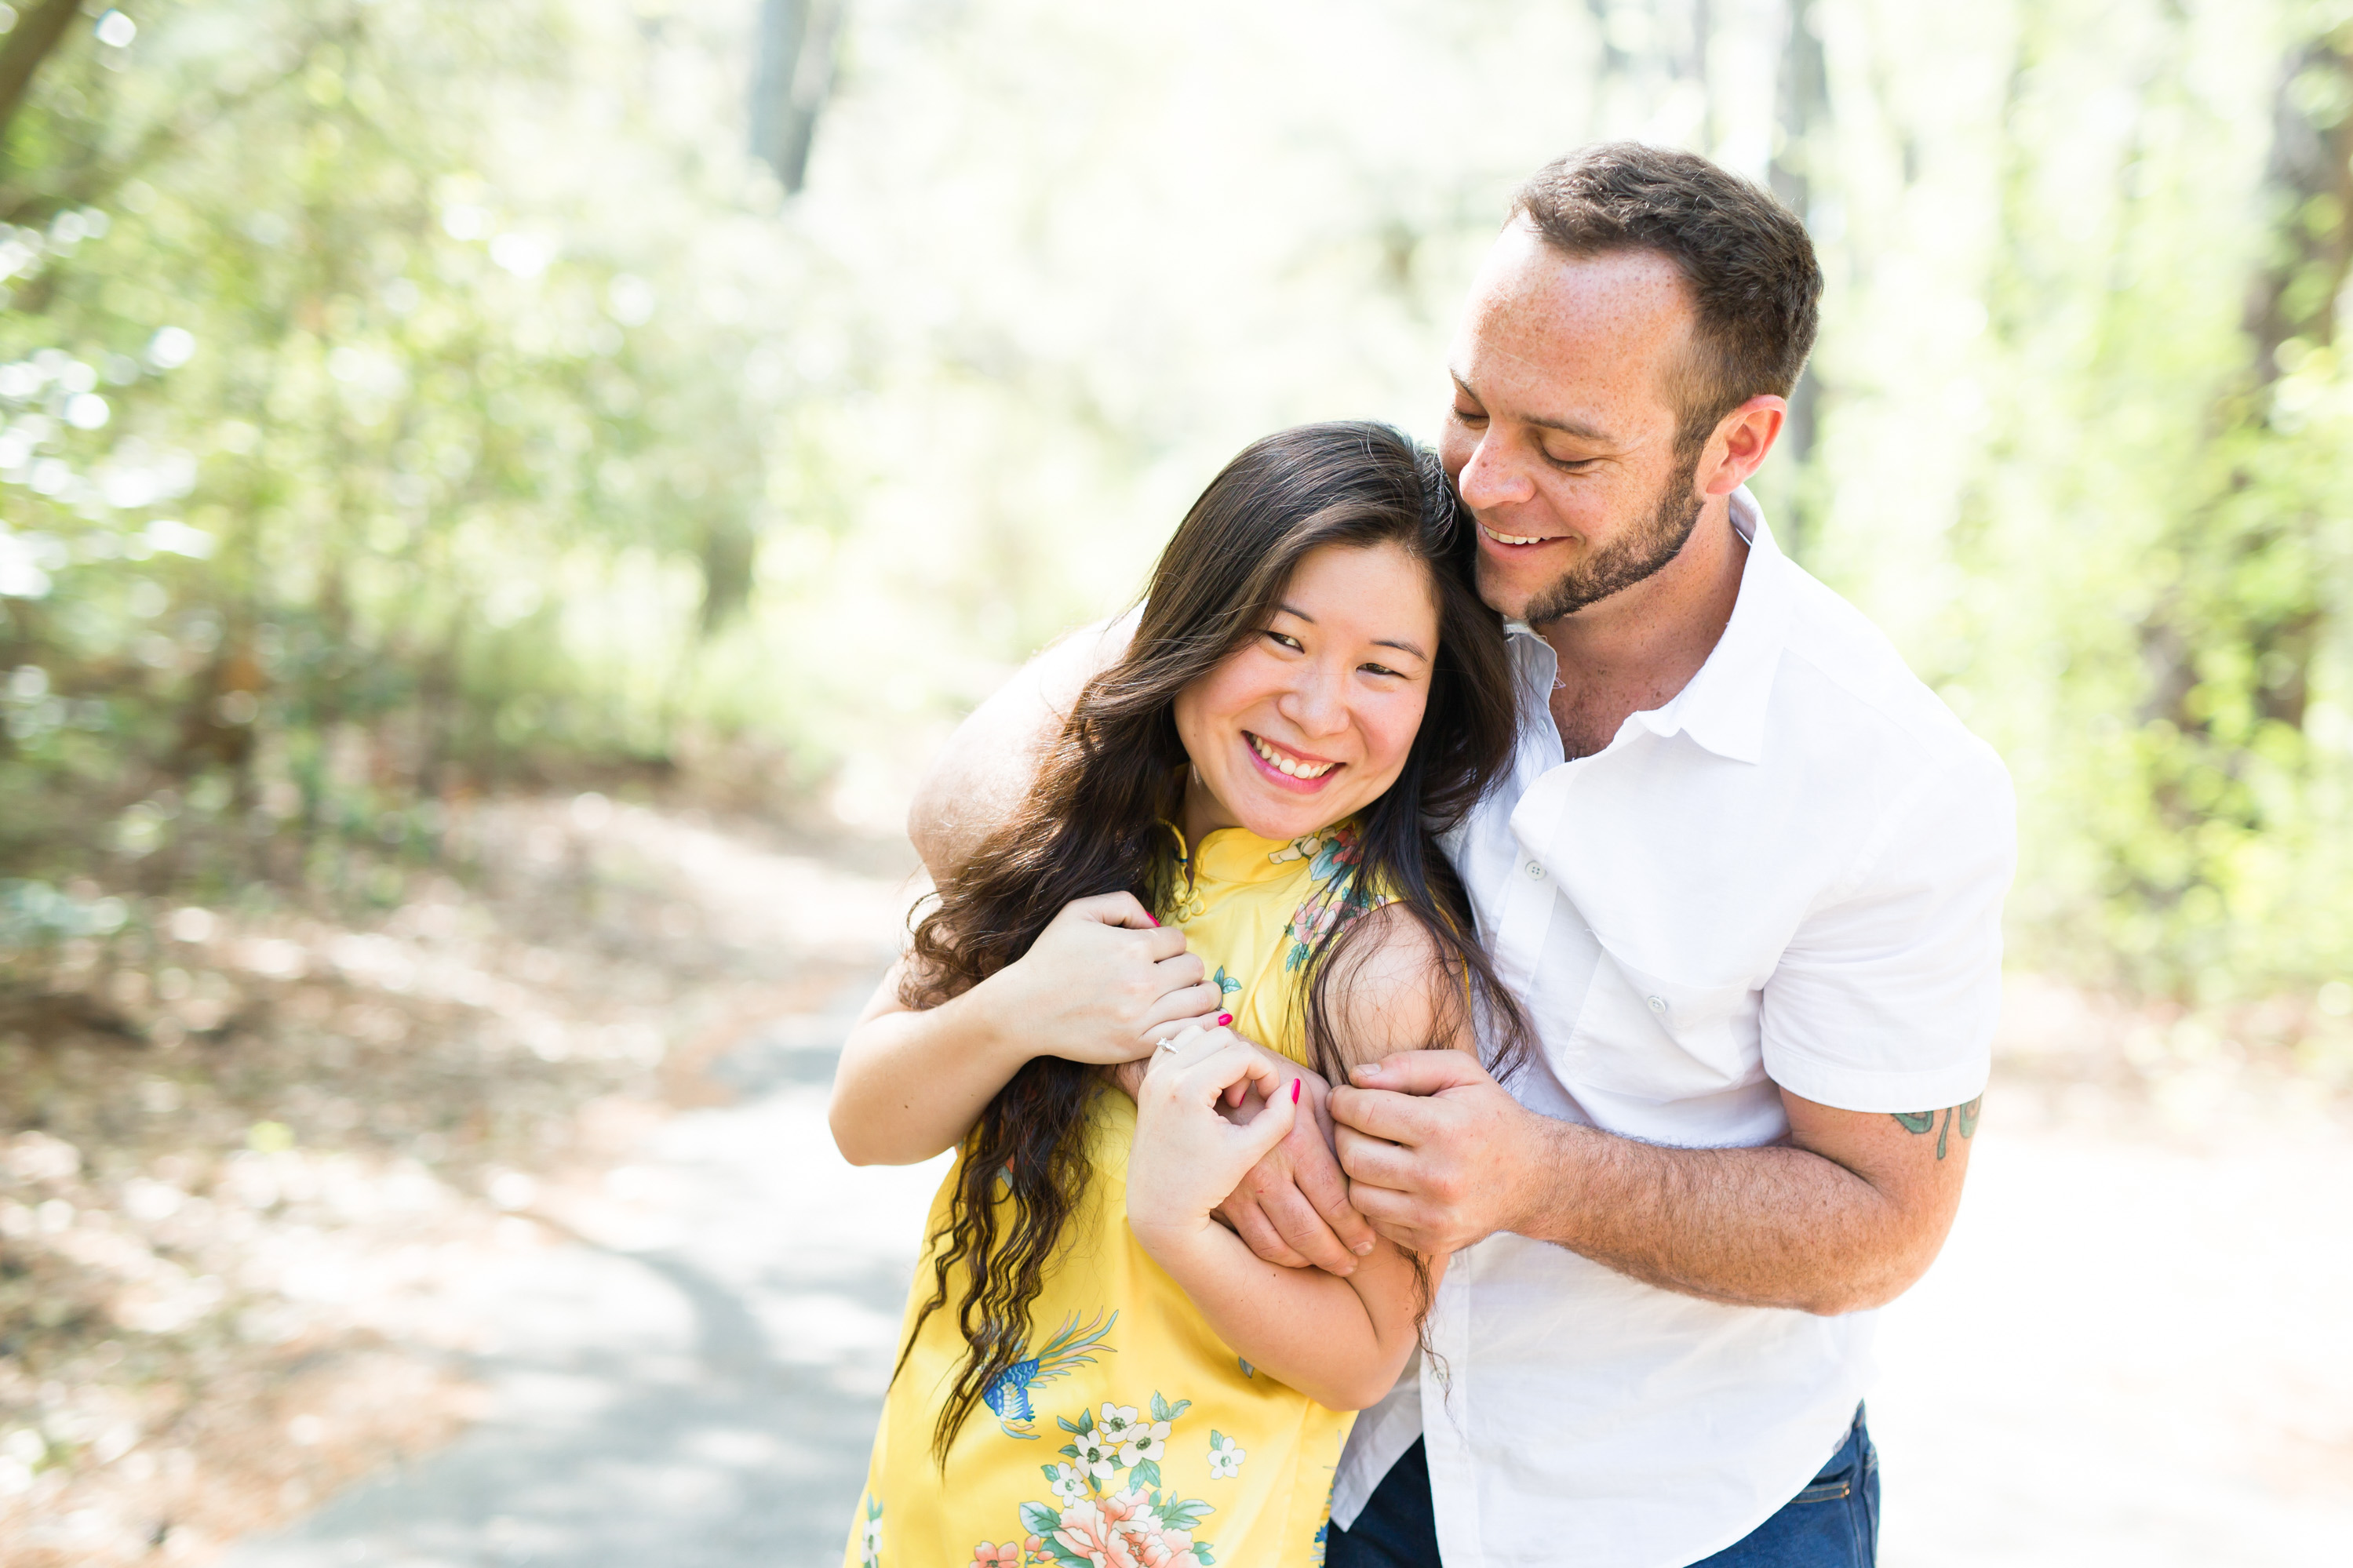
(1643, 1034)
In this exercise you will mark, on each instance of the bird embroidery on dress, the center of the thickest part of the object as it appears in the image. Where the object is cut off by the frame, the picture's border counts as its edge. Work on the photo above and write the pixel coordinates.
(1008, 1397)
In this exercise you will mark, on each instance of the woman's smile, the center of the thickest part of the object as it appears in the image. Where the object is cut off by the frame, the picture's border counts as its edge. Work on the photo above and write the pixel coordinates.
(1289, 769)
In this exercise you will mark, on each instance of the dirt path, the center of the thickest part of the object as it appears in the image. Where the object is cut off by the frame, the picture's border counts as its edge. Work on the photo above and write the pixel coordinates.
(2132, 1352)
(686, 1370)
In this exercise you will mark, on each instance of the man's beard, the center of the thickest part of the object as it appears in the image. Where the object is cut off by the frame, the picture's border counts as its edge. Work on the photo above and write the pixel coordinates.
(1626, 563)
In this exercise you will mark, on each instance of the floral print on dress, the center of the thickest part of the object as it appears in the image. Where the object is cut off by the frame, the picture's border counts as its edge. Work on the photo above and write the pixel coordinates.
(1338, 892)
(1007, 1397)
(1108, 1510)
(1226, 1456)
(869, 1535)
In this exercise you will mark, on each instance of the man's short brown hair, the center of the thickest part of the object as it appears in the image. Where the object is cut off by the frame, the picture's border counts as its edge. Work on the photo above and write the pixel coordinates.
(1755, 283)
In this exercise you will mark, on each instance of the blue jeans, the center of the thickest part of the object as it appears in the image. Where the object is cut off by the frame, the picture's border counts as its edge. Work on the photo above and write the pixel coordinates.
(1833, 1523)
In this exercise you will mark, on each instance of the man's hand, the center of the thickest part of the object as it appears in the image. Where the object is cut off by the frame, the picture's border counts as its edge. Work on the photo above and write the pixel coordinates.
(1844, 1216)
(1103, 984)
(1292, 1208)
(1437, 1151)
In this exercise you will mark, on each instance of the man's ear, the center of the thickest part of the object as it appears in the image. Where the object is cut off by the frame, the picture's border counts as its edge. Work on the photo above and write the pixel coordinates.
(1739, 445)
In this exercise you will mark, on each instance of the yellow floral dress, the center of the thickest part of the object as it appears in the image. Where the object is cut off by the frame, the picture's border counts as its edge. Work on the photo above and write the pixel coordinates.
(1129, 1436)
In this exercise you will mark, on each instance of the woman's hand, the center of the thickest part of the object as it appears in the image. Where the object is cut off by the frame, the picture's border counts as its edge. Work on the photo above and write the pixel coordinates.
(1103, 983)
(1187, 1155)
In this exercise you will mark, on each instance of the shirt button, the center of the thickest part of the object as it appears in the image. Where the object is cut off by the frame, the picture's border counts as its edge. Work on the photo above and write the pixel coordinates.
(1658, 1003)
(1536, 871)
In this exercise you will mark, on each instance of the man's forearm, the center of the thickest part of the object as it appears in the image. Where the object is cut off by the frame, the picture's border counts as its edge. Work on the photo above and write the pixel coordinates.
(1777, 1227)
(979, 779)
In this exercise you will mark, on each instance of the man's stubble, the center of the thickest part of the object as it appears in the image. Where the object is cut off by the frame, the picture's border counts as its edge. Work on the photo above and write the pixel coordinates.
(1642, 552)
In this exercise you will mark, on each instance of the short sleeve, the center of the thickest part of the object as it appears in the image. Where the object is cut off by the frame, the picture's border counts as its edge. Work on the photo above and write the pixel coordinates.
(1887, 995)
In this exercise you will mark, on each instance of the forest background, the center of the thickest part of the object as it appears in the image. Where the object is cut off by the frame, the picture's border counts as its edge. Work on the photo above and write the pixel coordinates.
(408, 401)
(407, 405)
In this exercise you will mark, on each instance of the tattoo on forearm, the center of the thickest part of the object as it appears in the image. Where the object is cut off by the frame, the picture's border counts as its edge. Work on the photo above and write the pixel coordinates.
(1920, 1121)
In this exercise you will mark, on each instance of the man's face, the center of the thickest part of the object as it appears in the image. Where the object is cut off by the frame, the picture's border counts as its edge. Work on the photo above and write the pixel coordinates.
(1562, 436)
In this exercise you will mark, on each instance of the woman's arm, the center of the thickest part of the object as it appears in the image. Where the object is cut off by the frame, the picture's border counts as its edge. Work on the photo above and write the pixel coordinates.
(1100, 984)
(1342, 1341)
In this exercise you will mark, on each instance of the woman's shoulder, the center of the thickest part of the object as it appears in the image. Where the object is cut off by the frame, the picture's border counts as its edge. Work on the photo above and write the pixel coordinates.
(1391, 988)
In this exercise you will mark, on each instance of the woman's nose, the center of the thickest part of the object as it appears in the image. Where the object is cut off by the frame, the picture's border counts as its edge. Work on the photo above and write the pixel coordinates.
(1316, 702)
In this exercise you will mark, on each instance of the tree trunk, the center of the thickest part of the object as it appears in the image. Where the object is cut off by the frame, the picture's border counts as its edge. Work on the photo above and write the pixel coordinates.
(791, 80)
(1802, 113)
(1702, 25)
(2258, 534)
(34, 37)
(2309, 183)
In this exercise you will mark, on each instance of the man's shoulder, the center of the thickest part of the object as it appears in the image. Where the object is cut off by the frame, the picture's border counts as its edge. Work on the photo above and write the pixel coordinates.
(1839, 665)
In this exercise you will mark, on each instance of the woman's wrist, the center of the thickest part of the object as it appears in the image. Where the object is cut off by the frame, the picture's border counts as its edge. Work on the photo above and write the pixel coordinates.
(1170, 1239)
(989, 1017)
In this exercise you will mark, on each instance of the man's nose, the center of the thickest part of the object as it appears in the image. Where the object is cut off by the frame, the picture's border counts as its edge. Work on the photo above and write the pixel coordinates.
(1491, 478)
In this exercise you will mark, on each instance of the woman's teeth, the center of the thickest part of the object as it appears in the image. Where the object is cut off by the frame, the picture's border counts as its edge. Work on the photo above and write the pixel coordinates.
(1282, 763)
(1506, 537)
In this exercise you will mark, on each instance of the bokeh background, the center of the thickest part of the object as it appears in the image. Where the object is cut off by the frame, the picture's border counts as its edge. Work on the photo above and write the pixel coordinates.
(499, 500)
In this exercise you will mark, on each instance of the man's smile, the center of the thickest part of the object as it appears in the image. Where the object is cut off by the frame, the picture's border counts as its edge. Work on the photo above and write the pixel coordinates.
(1513, 540)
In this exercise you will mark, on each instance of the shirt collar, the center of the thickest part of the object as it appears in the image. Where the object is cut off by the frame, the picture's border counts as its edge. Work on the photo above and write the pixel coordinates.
(1722, 707)
(1238, 854)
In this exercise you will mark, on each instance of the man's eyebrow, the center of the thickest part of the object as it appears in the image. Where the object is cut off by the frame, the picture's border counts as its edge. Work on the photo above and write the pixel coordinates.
(1399, 643)
(1566, 427)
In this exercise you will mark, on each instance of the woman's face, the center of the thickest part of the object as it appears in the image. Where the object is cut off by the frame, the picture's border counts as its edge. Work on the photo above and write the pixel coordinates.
(1311, 720)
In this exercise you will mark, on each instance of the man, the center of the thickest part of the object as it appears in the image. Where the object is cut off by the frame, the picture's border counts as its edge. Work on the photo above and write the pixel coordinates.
(1746, 877)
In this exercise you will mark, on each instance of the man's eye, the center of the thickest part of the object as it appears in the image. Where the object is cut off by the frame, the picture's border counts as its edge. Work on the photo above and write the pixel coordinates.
(1570, 465)
(1471, 415)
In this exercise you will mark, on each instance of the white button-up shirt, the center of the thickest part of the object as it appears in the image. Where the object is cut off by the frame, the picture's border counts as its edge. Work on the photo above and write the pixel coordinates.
(1788, 875)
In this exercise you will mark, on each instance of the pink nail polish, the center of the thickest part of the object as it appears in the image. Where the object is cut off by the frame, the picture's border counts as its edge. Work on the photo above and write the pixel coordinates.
(1224, 1018)
(1296, 1085)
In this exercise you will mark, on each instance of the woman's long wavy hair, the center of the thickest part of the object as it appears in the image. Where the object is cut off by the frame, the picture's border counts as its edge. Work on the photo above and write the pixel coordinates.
(1096, 822)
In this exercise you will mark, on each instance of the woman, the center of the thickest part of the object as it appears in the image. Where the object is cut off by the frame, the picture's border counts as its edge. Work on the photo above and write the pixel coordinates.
(1094, 1371)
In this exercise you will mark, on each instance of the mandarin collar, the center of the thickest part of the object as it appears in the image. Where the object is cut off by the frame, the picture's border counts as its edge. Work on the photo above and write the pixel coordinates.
(1238, 854)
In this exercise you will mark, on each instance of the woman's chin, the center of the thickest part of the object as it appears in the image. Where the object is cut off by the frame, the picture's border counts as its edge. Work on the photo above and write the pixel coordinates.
(1286, 816)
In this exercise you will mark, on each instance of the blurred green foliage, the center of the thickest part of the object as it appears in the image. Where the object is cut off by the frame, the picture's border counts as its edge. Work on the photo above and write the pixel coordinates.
(338, 477)
(409, 398)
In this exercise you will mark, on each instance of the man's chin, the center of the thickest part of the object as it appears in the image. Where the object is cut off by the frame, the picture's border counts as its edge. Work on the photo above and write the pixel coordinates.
(1508, 594)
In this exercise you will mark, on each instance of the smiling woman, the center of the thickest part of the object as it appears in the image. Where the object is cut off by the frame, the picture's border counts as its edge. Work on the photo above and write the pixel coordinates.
(1312, 689)
(1311, 718)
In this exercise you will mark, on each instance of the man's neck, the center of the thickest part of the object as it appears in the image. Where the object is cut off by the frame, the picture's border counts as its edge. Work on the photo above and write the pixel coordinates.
(1636, 649)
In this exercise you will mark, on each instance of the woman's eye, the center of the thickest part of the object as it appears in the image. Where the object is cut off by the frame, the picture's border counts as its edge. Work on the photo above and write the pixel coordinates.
(1381, 670)
(1293, 642)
